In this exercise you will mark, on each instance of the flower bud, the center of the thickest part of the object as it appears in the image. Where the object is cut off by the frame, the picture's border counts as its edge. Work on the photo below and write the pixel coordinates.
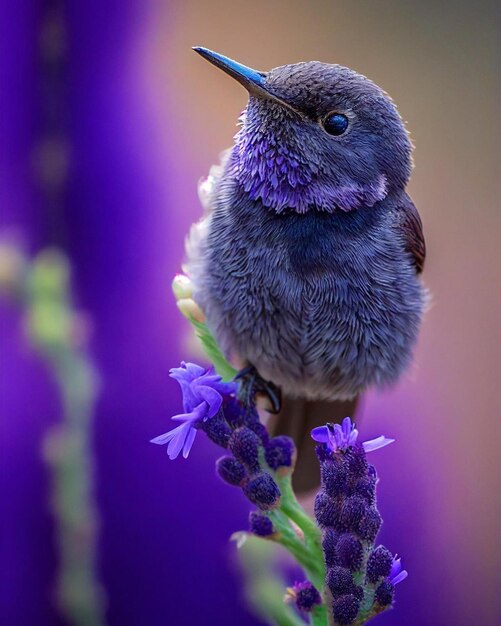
(357, 461)
(369, 526)
(366, 488)
(244, 443)
(217, 430)
(280, 453)
(340, 581)
(349, 552)
(325, 510)
(260, 524)
(263, 491)
(385, 593)
(182, 287)
(334, 477)
(190, 309)
(353, 511)
(345, 609)
(329, 547)
(231, 471)
(379, 564)
(306, 596)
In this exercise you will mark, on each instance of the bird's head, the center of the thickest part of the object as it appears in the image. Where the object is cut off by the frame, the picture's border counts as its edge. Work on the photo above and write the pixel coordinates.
(316, 136)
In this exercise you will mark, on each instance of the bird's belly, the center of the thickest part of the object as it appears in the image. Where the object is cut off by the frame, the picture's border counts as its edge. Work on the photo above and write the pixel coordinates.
(322, 316)
(333, 340)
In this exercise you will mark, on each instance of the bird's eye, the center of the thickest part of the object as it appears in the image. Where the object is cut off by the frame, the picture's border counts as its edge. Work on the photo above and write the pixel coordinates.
(336, 124)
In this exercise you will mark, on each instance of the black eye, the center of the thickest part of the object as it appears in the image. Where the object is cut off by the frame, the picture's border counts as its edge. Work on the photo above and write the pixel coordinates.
(336, 124)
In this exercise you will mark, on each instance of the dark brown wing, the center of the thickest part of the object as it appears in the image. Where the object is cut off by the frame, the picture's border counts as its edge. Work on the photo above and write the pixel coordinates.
(408, 221)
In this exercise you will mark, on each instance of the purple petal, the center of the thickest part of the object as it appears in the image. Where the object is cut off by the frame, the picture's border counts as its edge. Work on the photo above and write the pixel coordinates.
(396, 566)
(347, 428)
(375, 444)
(226, 389)
(212, 398)
(166, 437)
(197, 414)
(320, 433)
(352, 439)
(181, 375)
(189, 442)
(338, 436)
(196, 370)
(177, 443)
(400, 577)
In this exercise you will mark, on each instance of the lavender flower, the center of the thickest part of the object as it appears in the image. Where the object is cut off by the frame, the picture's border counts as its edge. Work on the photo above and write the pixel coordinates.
(385, 592)
(341, 437)
(203, 392)
(360, 578)
(305, 596)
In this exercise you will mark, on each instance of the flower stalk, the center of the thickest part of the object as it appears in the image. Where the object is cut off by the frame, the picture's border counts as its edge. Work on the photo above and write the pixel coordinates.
(349, 580)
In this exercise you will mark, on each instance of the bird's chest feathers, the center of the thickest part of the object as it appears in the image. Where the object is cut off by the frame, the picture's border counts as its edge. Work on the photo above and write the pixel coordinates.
(283, 262)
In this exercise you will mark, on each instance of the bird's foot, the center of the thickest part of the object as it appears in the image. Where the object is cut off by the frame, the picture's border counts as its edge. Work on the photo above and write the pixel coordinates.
(252, 385)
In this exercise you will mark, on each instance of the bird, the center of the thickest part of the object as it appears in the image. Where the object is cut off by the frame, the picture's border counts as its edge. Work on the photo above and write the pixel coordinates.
(307, 260)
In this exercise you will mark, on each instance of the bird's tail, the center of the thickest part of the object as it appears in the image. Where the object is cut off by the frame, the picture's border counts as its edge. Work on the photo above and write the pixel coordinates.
(296, 419)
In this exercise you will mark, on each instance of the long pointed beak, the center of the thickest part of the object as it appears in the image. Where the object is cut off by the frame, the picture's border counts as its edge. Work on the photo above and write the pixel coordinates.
(252, 80)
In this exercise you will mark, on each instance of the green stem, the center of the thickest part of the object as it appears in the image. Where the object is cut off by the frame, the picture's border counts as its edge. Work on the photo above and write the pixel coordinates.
(264, 589)
(294, 511)
(319, 616)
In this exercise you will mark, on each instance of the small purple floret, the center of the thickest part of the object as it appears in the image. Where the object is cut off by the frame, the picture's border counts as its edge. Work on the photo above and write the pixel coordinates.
(306, 596)
(340, 437)
(203, 393)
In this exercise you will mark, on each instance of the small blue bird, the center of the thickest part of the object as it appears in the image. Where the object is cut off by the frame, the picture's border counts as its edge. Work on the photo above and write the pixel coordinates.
(307, 261)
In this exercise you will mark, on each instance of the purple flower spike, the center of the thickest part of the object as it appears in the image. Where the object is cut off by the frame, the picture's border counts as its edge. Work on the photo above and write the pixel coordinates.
(343, 436)
(397, 574)
(203, 392)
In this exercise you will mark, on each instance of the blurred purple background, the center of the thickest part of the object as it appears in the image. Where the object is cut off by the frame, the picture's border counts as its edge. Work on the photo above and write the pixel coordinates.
(100, 153)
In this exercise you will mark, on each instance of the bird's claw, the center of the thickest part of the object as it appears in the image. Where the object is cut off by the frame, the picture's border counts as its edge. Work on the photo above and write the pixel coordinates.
(251, 384)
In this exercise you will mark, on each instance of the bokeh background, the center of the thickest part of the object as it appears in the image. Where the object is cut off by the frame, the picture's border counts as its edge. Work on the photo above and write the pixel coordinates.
(107, 122)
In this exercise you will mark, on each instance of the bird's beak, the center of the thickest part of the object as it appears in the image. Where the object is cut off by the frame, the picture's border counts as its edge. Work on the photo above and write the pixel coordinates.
(252, 80)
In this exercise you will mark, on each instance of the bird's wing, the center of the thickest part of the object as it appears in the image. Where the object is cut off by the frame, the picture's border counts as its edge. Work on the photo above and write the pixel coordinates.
(408, 221)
